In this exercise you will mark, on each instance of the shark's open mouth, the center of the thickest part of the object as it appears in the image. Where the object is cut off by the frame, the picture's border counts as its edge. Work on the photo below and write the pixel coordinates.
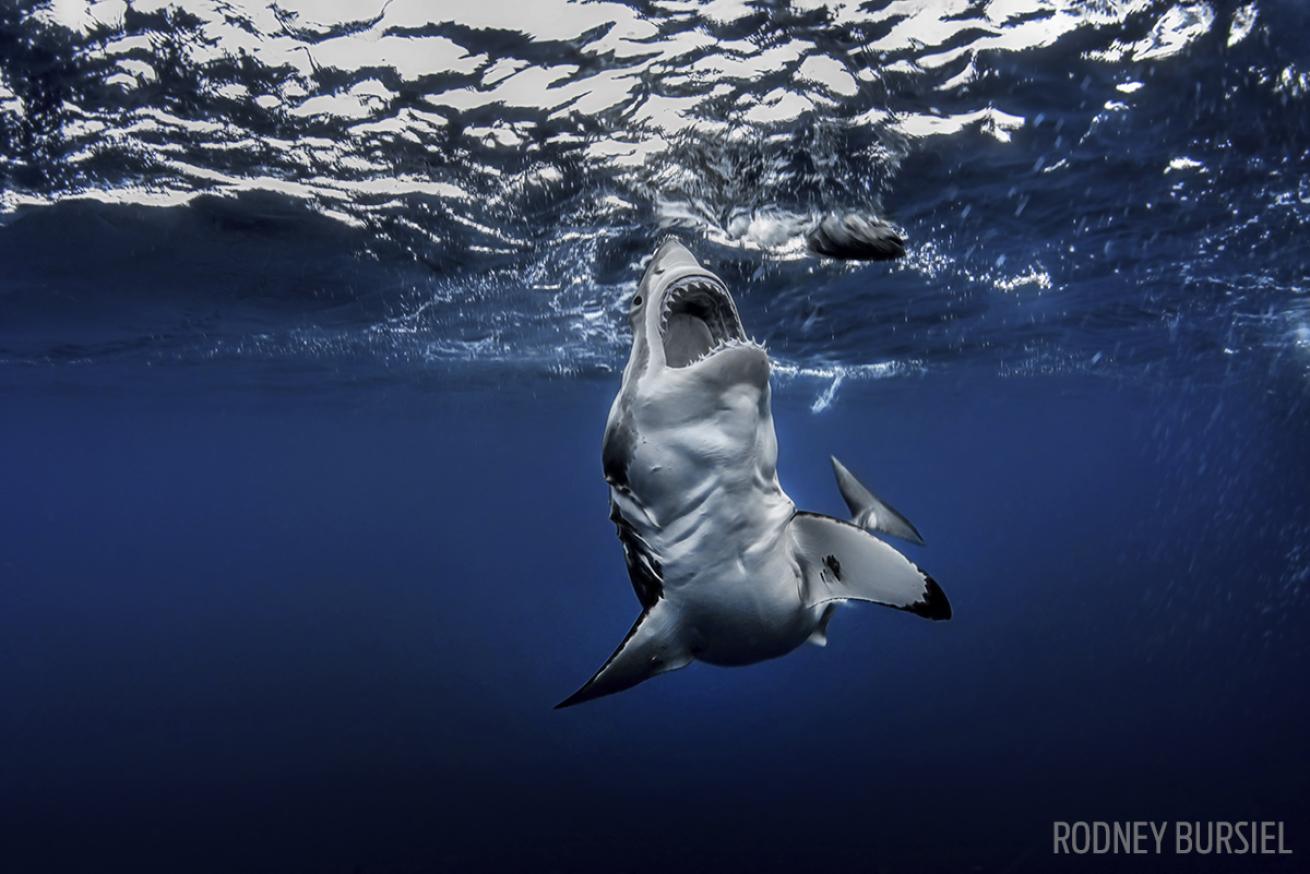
(698, 320)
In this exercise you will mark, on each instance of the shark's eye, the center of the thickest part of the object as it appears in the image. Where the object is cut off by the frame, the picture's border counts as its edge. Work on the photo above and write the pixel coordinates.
(636, 301)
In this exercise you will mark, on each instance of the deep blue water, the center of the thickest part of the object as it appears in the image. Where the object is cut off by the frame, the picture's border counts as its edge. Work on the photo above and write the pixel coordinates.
(260, 631)
(310, 318)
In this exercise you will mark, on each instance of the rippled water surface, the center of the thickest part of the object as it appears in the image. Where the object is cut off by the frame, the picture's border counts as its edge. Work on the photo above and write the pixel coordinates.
(1108, 186)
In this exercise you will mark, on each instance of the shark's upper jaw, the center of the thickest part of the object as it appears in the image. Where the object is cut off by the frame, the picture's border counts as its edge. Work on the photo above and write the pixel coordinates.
(698, 320)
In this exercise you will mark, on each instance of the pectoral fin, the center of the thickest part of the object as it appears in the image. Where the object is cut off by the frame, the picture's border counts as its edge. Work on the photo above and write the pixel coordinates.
(869, 511)
(842, 562)
(651, 647)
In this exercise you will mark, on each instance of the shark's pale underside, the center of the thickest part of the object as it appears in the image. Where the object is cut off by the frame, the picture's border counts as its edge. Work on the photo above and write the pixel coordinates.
(727, 570)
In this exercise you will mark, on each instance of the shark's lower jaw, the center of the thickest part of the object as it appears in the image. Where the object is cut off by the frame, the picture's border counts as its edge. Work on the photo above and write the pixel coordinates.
(697, 321)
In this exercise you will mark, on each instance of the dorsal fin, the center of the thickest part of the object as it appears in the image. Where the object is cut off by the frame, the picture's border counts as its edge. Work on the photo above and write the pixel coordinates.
(870, 511)
(651, 647)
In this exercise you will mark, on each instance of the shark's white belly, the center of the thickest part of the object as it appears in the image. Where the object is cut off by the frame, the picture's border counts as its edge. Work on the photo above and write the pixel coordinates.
(737, 590)
(716, 520)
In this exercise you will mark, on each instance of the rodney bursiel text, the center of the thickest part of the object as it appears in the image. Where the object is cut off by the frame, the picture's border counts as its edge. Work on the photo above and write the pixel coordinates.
(1144, 837)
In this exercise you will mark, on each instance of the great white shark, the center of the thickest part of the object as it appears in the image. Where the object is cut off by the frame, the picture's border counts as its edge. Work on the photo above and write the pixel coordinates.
(727, 570)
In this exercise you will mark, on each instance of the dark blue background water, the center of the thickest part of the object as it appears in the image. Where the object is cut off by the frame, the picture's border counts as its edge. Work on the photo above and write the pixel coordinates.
(309, 328)
(261, 631)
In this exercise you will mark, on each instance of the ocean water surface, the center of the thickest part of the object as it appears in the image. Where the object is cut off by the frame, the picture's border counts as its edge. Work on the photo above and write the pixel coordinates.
(311, 314)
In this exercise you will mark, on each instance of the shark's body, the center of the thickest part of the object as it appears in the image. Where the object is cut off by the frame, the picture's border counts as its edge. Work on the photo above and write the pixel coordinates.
(728, 572)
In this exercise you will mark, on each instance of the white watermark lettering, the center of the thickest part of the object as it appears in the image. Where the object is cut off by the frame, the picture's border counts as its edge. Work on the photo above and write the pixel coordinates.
(1180, 837)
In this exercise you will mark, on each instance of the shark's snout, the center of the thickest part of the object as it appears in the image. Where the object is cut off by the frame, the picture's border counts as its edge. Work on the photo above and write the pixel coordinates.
(671, 253)
(691, 314)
